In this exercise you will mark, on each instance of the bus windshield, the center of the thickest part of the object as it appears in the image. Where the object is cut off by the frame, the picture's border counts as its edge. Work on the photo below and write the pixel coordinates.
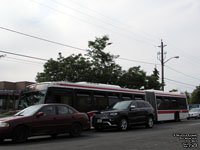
(31, 98)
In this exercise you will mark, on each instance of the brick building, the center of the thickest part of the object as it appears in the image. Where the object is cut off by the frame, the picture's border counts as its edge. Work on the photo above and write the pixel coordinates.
(9, 94)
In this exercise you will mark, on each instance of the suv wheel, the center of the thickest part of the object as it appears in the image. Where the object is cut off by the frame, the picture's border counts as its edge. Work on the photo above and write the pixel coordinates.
(123, 124)
(149, 123)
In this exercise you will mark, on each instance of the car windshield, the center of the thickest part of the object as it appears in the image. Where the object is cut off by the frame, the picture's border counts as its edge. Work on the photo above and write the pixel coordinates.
(195, 110)
(31, 98)
(29, 111)
(122, 105)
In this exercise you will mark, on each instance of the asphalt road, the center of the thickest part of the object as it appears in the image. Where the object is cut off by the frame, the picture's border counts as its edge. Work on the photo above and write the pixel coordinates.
(165, 136)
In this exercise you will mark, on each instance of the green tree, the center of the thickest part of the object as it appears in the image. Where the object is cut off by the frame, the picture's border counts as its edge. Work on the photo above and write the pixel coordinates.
(73, 68)
(195, 97)
(133, 78)
(188, 97)
(97, 66)
(152, 81)
(104, 69)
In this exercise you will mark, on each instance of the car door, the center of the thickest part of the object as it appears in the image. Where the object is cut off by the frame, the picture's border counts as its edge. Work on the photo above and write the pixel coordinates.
(45, 123)
(65, 118)
(133, 113)
(141, 114)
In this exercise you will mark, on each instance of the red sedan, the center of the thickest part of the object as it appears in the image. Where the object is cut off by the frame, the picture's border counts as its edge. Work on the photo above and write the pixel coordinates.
(44, 119)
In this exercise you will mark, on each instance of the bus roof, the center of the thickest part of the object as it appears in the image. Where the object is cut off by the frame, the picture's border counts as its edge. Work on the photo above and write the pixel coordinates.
(162, 93)
(90, 86)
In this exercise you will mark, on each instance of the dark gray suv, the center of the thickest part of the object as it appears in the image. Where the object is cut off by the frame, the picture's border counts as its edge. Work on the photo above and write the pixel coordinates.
(124, 114)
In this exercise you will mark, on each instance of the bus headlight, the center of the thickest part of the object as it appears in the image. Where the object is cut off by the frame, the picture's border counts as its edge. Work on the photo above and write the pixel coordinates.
(3, 124)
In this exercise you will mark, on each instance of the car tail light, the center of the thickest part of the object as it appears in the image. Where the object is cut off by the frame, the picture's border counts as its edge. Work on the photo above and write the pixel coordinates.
(91, 114)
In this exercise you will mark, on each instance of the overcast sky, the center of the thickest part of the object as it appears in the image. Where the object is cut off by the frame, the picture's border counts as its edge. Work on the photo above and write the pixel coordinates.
(135, 27)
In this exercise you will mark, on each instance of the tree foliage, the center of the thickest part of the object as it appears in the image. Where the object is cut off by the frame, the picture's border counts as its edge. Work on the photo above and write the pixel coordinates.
(152, 81)
(195, 97)
(97, 66)
(133, 78)
(103, 69)
(73, 68)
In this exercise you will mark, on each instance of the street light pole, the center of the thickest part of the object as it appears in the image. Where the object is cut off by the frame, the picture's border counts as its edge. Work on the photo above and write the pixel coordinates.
(163, 63)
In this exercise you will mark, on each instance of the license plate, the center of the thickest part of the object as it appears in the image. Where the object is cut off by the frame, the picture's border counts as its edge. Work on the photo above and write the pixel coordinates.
(99, 120)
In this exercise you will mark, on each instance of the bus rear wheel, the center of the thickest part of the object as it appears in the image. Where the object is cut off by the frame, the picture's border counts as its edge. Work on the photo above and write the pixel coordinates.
(176, 117)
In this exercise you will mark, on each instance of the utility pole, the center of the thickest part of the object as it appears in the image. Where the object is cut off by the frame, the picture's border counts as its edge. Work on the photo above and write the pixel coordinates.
(161, 57)
(162, 64)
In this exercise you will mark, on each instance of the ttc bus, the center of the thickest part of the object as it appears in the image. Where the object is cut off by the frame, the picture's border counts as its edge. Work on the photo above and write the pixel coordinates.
(91, 97)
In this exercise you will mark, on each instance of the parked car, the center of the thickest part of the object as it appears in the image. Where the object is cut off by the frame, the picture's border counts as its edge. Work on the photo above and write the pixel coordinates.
(124, 114)
(43, 119)
(194, 113)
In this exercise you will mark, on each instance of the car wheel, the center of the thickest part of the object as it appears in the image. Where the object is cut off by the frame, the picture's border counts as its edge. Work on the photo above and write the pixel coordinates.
(123, 124)
(149, 123)
(20, 134)
(76, 130)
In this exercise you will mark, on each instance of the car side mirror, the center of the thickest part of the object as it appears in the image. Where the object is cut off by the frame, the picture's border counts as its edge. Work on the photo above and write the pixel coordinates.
(132, 107)
(39, 114)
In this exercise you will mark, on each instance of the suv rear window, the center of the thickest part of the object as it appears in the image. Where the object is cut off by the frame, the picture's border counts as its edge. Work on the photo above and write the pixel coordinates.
(140, 104)
(147, 104)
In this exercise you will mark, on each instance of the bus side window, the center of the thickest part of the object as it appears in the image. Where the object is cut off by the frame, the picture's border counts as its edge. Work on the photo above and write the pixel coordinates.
(83, 102)
(159, 103)
(100, 102)
(182, 103)
(139, 97)
(174, 103)
(56, 95)
(166, 103)
(163, 103)
(112, 100)
(127, 97)
(63, 99)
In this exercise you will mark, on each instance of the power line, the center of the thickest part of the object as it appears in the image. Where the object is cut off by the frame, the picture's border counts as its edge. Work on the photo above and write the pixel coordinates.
(100, 20)
(24, 60)
(143, 62)
(180, 82)
(79, 19)
(108, 18)
(50, 41)
(23, 55)
(42, 39)
(119, 58)
(182, 73)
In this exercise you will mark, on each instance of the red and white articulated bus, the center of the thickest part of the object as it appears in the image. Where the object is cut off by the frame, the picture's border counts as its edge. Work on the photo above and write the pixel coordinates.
(91, 97)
